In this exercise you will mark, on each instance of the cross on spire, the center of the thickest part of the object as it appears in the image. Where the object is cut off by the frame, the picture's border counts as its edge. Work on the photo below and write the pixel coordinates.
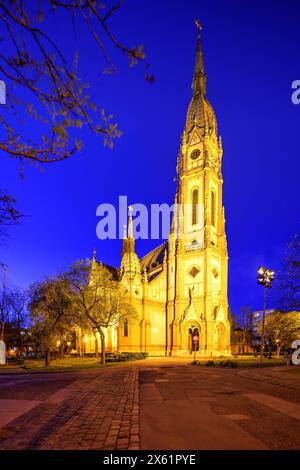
(199, 79)
(198, 24)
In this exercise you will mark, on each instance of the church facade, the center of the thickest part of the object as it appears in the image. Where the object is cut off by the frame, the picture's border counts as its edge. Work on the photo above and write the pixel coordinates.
(180, 289)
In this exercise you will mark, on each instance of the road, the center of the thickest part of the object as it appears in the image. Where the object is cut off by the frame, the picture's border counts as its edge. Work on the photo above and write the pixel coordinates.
(192, 407)
(153, 404)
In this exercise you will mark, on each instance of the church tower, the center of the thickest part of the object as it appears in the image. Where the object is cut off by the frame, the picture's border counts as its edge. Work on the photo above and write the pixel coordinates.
(197, 305)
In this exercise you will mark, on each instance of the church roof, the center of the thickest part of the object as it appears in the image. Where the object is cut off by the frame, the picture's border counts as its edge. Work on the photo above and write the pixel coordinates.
(201, 113)
(154, 259)
(115, 272)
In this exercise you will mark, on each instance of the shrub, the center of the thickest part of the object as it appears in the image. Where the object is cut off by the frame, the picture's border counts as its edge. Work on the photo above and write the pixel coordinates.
(126, 356)
(228, 363)
(210, 363)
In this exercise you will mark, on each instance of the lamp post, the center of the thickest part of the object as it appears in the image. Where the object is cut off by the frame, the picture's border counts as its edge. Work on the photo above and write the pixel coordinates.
(277, 341)
(265, 278)
(4, 269)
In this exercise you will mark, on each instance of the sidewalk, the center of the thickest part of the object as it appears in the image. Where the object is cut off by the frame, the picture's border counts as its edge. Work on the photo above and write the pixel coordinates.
(11, 370)
(97, 411)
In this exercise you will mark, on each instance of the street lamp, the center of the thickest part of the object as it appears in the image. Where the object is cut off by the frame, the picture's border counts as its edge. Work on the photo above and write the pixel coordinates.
(265, 278)
(277, 341)
(4, 270)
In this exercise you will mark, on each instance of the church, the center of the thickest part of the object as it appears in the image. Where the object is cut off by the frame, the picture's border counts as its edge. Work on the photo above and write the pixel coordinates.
(180, 289)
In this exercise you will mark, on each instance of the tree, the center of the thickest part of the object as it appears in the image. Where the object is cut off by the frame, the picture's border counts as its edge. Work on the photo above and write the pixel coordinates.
(98, 297)
(286, 294)
(4, 303)
(233, 321)
(4, 312)
(19, 316)
(246, 324)
(281, 329)
(51, 313)
(44, 84)
(9, 215)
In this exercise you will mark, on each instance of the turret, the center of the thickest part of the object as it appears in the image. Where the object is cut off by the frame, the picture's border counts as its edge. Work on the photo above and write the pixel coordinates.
(130, 264)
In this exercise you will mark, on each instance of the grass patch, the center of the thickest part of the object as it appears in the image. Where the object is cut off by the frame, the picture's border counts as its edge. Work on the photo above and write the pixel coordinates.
(77, 363)
(247, 361)
(62, 364)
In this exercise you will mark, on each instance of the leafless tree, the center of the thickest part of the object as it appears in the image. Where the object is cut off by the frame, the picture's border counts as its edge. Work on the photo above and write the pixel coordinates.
(43, 86)
(9, 215)
(19, 316)
(246, 324)
(286, 290)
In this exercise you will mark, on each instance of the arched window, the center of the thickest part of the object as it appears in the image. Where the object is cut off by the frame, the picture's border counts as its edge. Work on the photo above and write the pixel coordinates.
(125, 327)
(195, 202)
(213, 208)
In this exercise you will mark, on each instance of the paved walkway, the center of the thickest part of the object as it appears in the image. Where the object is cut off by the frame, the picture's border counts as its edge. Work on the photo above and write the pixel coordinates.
(96, 411)
(153, 404)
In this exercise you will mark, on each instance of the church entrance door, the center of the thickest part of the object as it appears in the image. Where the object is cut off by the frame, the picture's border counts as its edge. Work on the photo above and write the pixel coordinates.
(193, 339)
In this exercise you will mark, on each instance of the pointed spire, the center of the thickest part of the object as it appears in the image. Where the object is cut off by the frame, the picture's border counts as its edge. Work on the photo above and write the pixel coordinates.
(125, 241)
(199, 80)
(165, 258)
(124, 232)
(144, 276)
(130, 231)
(93, 267)
(94, 259)
(128, 240)
(130, 225)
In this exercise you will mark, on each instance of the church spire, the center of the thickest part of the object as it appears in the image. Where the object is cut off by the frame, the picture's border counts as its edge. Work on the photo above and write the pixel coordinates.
(199, 79)
(130, 225)
(128, 240)
(93, 272)
(125, 241)
(94, 259)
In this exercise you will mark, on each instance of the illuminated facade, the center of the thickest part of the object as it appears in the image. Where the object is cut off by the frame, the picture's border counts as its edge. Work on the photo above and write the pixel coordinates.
(180, 288)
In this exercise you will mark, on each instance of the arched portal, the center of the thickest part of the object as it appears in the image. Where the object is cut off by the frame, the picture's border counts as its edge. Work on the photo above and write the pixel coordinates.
(193, 339)
(191, 336)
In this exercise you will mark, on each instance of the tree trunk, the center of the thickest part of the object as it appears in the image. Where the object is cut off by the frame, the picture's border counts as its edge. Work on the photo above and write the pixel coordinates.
(278, 349)
(47, 358)
(21, 350)
(96, 347)
(102, 337)
(244, 341)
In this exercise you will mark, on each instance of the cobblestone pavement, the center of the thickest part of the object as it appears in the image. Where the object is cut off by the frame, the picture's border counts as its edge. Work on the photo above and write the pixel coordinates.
(176, 406)
(96, 410)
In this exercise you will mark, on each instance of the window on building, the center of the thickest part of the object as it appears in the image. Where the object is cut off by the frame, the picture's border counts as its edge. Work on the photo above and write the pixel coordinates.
(195, 202)
(213, 208)
(195, 154)
(126, 327)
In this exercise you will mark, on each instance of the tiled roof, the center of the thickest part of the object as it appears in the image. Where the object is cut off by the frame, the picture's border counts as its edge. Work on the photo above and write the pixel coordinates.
(154, 259)
(115, 272)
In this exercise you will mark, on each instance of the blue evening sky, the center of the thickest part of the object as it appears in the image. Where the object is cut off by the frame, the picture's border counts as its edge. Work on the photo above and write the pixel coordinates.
(251, 57)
